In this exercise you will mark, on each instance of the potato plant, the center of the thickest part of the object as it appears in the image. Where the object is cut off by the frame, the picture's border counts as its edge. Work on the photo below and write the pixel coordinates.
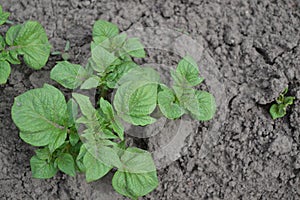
(278, 109)
(28, 39)
(76, 136)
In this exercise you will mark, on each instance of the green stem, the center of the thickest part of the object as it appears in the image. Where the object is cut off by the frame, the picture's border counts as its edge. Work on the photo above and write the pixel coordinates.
(10, 22)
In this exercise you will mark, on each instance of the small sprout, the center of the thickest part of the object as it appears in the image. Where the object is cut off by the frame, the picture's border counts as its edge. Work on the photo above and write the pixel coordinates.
(278, 110)
(64, 54)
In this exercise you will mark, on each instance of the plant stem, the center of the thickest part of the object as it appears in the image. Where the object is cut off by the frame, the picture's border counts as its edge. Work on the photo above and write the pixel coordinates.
(10, 22)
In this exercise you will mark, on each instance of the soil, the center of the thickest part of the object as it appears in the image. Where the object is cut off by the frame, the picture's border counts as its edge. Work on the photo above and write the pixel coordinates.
(247, 51)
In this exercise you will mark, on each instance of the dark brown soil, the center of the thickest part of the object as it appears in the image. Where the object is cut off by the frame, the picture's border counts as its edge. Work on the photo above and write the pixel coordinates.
(249, 52)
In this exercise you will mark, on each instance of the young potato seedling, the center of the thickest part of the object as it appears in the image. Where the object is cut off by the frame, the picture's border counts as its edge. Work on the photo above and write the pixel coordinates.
(278, 109)
(76, 136)
(65, 53)
(28, 39)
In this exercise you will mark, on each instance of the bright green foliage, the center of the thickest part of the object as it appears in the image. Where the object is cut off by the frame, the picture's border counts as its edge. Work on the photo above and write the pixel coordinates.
(134, 48)
(68, 75)
(117, 72)
(72, 110)
(207, 106)
(134, 185)
(101, 124)
(278, 110)
(183, 98)
(4, 71)
(3, 16)
(88, 137)
(66, 163)
(136, 96)
(135, 160)
(28, 40)
(187, 72)
(42, 168)
(168, 103)
(41, 113)
(91, 82)
(45, 119)
(103, 30)
(138, 176)
(102, 58)
(95, 169)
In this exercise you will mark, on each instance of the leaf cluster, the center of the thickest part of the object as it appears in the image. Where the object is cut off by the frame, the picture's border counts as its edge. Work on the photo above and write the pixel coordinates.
(77, 136)
(28, 40)
(278, 109)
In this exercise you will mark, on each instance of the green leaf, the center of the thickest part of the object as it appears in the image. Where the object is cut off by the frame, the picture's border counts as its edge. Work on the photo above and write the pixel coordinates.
(104, 29)
(120, 148)
(167, 104)
(288, 100)
(30, 40)
(79, 159)
(136, 160)
(68, 75)
(285, 91)
(85, 105)
(107, 109)
(72, 110)
(119, 71)
(102, 151)
(57, 140)
(74, 138)
(206, 105)
(3, 16)
(187, 98)
(2, 43)
(134, 48)
(118, 127)
(67, 47)
(118, 41)
(143, 100)
(12, 34)
(66, 164)
(109, 115)
(95, 169)
(136, 96)
(13, 57)
(108, 134)
(43, 154)
(41, 115)
(4, 71)
(277, 111)
(42, 168)
(140, 76)
(102, 58)
(188, 72)
(137, 176)
(113, 44)
(91, 82)
(65, 56)
(134, 185)
(134, 105)
(34, 139)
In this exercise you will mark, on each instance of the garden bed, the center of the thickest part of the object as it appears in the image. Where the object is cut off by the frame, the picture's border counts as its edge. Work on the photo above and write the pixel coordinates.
(248, 52)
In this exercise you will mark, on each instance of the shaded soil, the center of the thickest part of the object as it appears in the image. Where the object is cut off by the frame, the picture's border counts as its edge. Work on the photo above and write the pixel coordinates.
(253, 49)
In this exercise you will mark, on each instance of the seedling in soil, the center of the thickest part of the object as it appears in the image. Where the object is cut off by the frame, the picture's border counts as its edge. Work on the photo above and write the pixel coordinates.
(93, 142)
(65, 53)
(278, 110)
(28, 39)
